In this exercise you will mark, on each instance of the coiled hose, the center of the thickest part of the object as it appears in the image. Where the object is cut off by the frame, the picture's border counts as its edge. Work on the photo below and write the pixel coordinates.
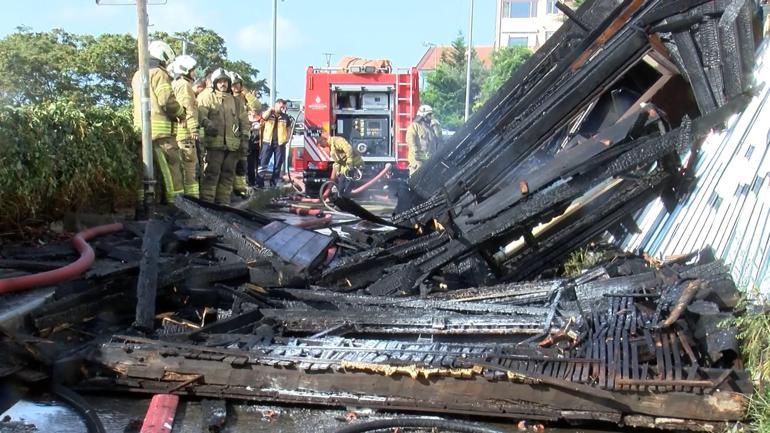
(453, 426)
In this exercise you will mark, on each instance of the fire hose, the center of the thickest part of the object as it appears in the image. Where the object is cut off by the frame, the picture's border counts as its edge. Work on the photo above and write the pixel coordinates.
(67, 272)
(327, 186)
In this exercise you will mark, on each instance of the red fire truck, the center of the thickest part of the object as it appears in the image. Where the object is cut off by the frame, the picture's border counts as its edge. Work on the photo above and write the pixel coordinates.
(369, 104)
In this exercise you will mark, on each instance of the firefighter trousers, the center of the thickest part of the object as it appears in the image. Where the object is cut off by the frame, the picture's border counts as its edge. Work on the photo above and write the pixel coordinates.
(240, 170)
(217, 183)
(189, 155)
(169, 163)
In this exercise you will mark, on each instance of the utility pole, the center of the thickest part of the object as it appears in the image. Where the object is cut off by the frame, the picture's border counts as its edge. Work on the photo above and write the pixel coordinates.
(144, 74)
(185, 43)
(273, 54)
(468, 67)
(328, 58)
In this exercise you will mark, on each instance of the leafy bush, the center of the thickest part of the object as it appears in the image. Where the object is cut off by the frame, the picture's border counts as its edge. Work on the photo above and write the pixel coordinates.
(754, 334)
(56, 157)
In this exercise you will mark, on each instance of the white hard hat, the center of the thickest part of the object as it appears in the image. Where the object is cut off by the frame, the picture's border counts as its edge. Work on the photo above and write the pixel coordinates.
(424, 110)
(219, 74)
(161, 51)
(235, 77)
(183, 64)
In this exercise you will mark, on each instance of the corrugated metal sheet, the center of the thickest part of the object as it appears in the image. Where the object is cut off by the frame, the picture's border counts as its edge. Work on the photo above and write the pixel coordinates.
(729, 208)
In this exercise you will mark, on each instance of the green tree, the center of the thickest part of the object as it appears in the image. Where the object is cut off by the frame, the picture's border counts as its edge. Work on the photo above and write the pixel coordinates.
(108, 63)
(35, 67)
(445, 90)
(209, 50)
(505, 62)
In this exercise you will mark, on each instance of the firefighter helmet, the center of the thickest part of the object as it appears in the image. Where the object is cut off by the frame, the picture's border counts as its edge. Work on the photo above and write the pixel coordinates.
(160, 50)
(183, 65)
(424, 110)
(235, 77)
(219, 74)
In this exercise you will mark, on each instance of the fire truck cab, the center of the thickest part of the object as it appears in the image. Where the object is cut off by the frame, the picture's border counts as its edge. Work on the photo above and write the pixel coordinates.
(369, 104)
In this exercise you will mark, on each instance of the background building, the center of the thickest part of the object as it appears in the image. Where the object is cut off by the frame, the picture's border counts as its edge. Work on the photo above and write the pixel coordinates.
(527, 23)
(432, 58)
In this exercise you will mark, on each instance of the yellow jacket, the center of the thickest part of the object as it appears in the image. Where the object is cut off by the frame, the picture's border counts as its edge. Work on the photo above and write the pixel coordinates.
(344, 155)
(220, 112)
(281, 121)
(186, 96)
(164, 108)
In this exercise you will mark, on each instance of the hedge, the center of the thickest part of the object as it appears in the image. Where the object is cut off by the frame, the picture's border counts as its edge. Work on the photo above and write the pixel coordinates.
(58, 157)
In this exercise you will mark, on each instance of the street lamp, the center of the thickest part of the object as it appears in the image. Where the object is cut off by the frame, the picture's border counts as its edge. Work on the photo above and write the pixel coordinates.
(468, 66)
(273, 53)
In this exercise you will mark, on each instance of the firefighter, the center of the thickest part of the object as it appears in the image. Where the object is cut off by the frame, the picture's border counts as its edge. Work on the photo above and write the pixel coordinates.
(226, 132)
(347, 162)
(248, 102)
(275, 135)
(199, 85)
(165, 110)
(421, 138)
(187, 132)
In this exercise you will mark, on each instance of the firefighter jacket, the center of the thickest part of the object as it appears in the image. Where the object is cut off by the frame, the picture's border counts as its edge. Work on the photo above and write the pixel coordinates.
(224, 120)
(272, 120)
(421, 139)
(186, 96)
(344, 155)
(164, 108)
(249, 100)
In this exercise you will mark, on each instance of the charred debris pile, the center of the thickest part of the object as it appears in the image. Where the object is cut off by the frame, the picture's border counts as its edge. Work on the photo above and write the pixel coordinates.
(450, 305)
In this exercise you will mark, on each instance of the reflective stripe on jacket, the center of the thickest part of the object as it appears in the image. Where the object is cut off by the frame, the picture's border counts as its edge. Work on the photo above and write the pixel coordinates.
(164, 108)
(185, 94)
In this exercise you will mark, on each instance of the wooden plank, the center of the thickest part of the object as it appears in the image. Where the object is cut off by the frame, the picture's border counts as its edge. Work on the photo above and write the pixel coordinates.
(677, 364)
(147, 282)
(625, 371)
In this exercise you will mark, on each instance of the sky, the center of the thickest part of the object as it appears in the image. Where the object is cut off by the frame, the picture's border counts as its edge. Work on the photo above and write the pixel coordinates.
(398, 30)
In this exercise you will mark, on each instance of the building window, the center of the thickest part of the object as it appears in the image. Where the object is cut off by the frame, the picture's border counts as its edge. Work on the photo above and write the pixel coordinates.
(518, 41)
(519, 8)
(551, 8)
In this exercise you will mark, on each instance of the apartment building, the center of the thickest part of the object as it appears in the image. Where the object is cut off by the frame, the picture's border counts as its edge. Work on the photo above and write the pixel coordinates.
(526, 23)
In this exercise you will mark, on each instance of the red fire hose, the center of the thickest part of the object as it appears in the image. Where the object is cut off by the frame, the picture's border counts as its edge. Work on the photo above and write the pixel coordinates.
(314, 223)
(303, 211)
(64, 273)
(385, 170)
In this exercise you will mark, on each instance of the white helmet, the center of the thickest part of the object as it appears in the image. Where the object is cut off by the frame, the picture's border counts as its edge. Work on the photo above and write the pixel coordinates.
(183, 65)
(160, 50)
(424, 110)
(219, 74)
(235, 77)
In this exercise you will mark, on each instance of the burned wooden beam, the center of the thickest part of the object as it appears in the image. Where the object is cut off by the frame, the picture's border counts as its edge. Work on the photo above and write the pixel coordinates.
(147, 282)
(522, 382)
